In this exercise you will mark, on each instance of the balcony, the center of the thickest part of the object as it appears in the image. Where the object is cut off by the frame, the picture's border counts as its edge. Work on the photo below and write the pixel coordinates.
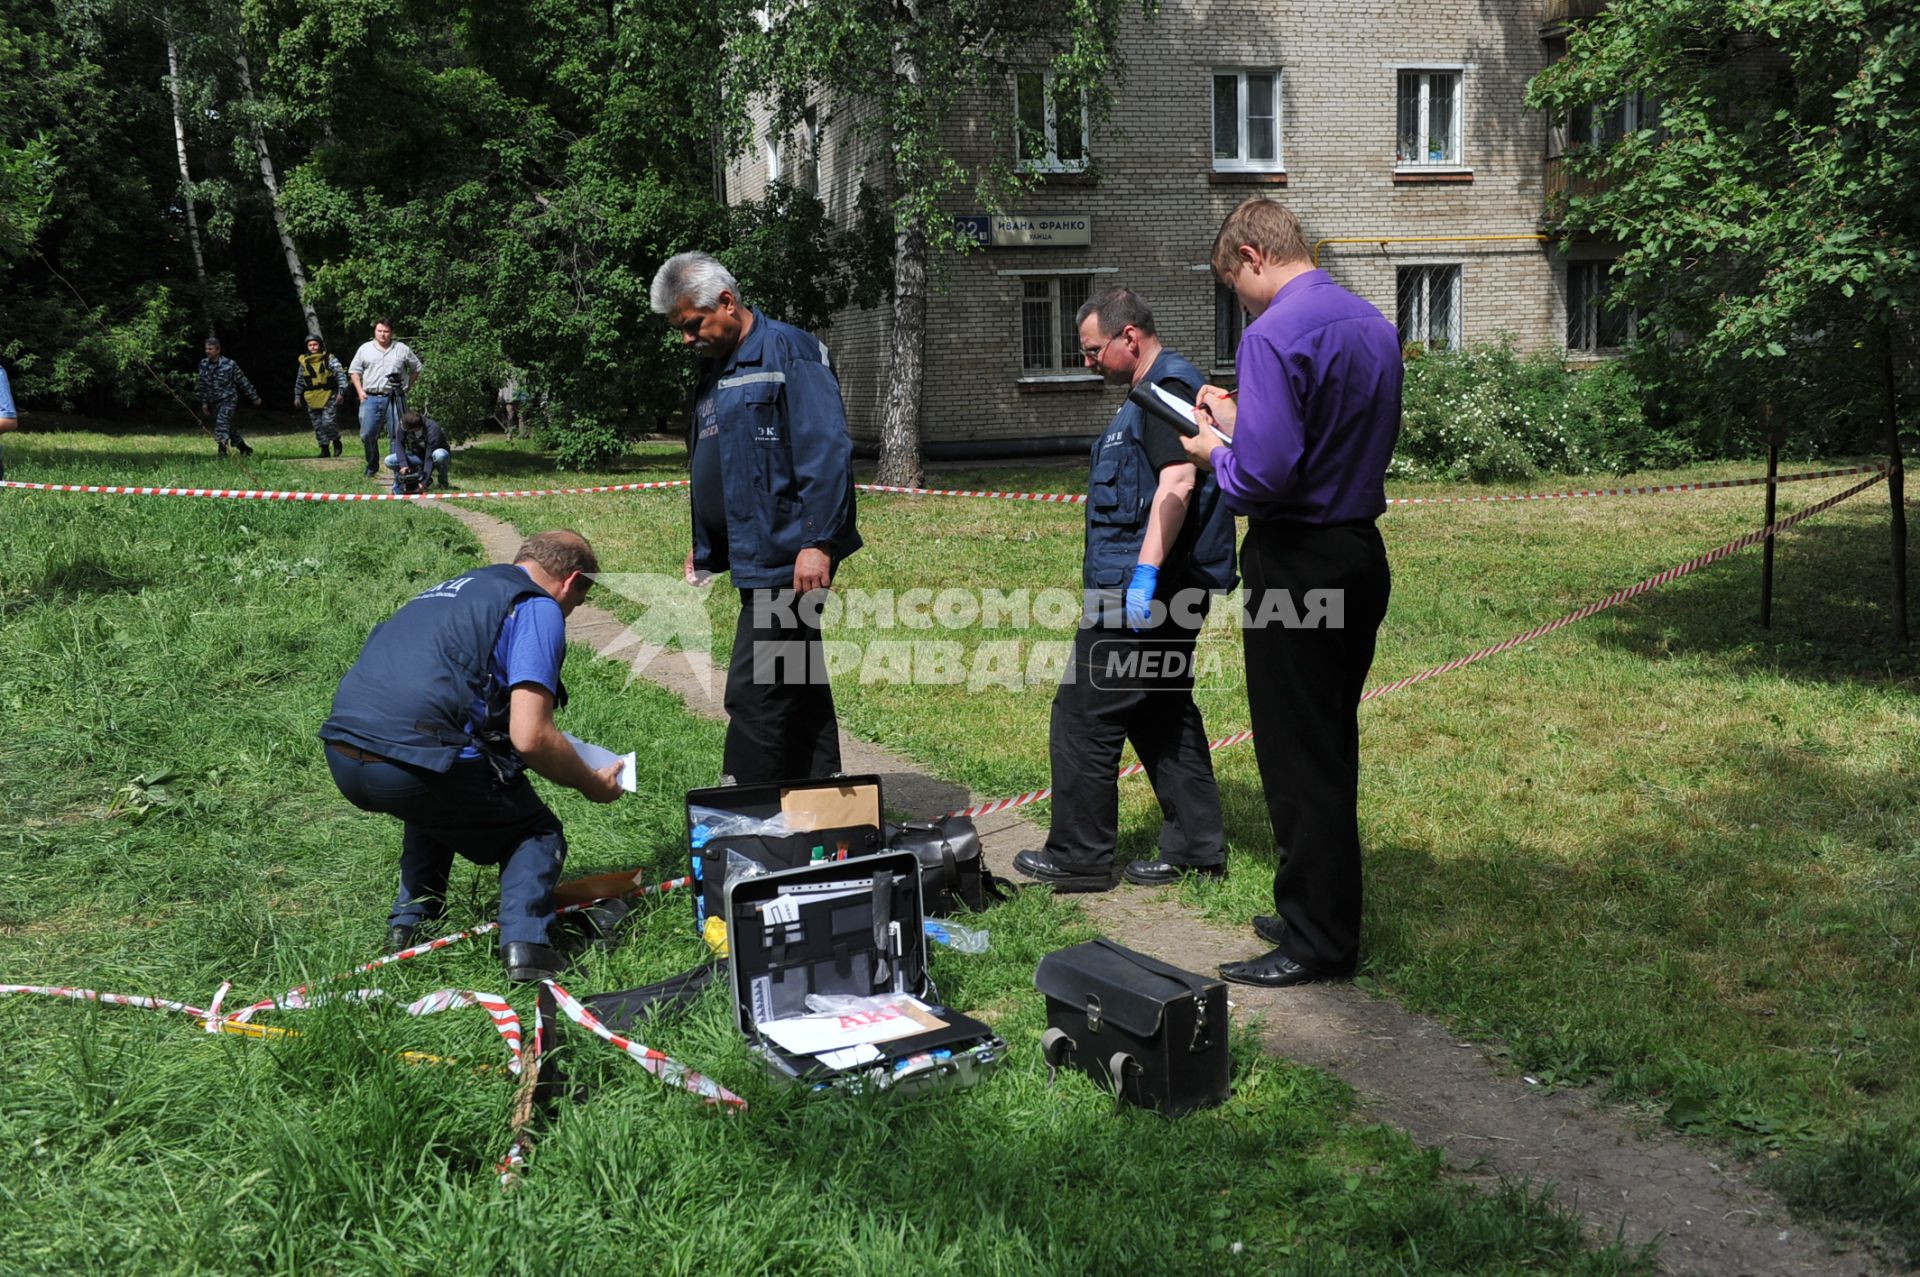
(1561, 182)
(1557, 15)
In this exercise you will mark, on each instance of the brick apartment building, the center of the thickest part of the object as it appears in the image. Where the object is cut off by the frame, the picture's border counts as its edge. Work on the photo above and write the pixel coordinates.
(1397, 132)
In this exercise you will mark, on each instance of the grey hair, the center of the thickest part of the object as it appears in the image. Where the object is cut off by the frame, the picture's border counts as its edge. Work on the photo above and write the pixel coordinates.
(697, 277)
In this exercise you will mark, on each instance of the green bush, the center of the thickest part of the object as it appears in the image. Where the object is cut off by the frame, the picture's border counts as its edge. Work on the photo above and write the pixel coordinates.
(1490, 413)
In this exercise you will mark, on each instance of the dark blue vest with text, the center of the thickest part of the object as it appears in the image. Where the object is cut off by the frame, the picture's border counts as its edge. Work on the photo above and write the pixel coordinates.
(1120, 488)
(412, 693)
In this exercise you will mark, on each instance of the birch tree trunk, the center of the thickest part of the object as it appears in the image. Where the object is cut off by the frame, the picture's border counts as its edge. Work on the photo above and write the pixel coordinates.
(906, 357)
(272, 183)
(900, 429)
(186, 175)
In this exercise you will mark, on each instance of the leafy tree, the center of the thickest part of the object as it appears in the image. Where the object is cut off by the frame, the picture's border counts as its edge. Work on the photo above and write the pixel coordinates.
(901, 72)
(1771, 223)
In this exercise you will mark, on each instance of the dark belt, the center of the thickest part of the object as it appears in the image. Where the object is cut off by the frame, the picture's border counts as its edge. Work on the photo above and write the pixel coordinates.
(358, 755)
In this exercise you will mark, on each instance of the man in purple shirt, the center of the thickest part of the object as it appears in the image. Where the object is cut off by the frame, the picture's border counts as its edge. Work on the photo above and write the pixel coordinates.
(1317, 415)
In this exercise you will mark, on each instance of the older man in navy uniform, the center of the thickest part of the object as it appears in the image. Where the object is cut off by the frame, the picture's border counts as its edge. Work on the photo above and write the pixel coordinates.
(1159, 546)
(437, 723)
(773, 503)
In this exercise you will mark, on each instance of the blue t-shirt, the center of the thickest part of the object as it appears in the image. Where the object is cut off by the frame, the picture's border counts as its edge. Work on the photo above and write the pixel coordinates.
(531, 646)
(6, 396)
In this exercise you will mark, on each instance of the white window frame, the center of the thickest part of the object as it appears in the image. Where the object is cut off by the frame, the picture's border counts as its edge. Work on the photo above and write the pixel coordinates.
(1050, 162)
(1456, 320)
(1240, 163)
(1069, 366)
(773, 156)
(1426, 71)
(807, 174)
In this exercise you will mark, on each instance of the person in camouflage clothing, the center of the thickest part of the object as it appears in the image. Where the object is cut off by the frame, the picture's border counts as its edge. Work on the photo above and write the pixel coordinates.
(221, 382)
(319, 386)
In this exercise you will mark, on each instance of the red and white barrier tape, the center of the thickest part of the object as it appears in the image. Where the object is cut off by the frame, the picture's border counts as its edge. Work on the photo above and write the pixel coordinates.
(1049, 498)
(1652, 490)
(265, 494)
(428, 946)
(1618, 597)
(668, 1070)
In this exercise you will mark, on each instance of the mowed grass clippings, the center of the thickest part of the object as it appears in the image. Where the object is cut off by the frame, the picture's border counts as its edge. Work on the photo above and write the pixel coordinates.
(168, 661)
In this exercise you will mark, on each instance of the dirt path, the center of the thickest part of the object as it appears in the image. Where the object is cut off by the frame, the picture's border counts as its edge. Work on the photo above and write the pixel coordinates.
(1628, 1180)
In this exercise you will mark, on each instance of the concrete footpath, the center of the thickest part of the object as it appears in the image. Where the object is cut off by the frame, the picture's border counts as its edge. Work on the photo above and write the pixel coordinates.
(1626, 1179)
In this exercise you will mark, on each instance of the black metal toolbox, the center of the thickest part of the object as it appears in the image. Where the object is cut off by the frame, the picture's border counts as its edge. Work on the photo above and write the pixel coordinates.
(854, 929)
(1153, 1034)
(833, 818)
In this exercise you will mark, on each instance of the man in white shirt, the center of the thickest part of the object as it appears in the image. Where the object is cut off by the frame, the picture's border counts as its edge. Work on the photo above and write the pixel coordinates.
(383, 371)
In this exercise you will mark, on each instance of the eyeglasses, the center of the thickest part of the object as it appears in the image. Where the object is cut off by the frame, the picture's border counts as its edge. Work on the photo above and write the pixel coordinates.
(1094, 353)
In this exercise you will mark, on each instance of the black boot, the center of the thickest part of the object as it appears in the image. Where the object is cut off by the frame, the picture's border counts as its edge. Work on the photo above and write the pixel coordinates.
(399, 937)
(336, 447)
(245, 450)
(526, 962)
(323, 449)
(223, 448)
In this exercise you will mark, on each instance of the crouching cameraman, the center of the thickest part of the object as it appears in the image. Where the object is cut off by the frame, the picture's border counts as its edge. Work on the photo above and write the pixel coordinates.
(420, 454)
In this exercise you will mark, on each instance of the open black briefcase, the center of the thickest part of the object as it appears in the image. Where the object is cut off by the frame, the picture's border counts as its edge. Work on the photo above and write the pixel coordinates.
(848, 929)
(1153, 1034)
(776, 825)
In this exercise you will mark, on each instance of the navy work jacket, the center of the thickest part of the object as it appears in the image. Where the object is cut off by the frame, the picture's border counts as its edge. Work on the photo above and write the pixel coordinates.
(786, 460)
(1120, 487)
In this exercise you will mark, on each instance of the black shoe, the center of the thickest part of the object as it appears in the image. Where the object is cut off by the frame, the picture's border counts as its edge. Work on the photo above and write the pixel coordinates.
(369, 472)
(336, 447)
(1159, 873)
(526, 962)
(1270, 927)
(399, 937)
(1042, 867)
(1273, 970)
(323, 449)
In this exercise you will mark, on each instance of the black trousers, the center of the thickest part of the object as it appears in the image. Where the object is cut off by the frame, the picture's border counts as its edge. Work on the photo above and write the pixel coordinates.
(1303, 691)
(1123, 686)
(464, 811)
(780, 720)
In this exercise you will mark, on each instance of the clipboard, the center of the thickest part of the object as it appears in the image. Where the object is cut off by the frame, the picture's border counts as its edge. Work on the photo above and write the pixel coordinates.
(1157, 401)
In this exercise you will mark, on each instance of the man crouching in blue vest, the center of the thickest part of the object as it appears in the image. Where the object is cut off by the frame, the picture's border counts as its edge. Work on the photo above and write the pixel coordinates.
(1159, 546)
(450, 703)
(772, 470)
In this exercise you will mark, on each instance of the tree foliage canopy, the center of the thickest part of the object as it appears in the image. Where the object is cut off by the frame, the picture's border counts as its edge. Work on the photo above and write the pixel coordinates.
(501, 177)
(1771, 222)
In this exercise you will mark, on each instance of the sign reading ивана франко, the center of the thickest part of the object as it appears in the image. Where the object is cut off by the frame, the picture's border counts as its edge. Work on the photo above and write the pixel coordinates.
(1027, 230)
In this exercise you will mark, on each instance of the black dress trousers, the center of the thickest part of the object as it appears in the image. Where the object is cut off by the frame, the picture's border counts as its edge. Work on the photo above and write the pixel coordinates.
(1305, 675)
(780, 719)
(1124, 686)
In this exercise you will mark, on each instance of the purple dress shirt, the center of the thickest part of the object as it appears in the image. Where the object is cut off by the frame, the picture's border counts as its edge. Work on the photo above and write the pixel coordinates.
(1319, 408)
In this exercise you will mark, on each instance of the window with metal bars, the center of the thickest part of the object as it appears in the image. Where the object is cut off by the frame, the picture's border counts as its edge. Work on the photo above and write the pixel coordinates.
(1594, 322)
(1429, 306)
(1229, 321)
(1430, 110)
(1246, 121)
(1049, 338)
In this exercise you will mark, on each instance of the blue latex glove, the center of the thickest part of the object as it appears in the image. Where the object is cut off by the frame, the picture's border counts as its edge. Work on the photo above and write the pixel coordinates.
(1140, 596)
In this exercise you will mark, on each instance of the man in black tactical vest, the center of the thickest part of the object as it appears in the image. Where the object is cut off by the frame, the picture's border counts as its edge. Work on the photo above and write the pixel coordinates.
(1159, 546)
(449, 704)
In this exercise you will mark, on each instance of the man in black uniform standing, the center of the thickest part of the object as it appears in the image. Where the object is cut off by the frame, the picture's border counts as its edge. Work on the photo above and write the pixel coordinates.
(773, 504)
(1159, 545)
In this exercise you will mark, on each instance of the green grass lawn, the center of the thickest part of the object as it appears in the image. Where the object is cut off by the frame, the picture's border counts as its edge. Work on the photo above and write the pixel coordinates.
(172, 826)
(1665, 851)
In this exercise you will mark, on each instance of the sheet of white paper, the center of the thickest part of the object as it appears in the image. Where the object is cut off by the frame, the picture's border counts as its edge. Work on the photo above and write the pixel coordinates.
(1185, 409)
(813, 1034)
(849, 1057)
(780, 909)
(597, 757)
